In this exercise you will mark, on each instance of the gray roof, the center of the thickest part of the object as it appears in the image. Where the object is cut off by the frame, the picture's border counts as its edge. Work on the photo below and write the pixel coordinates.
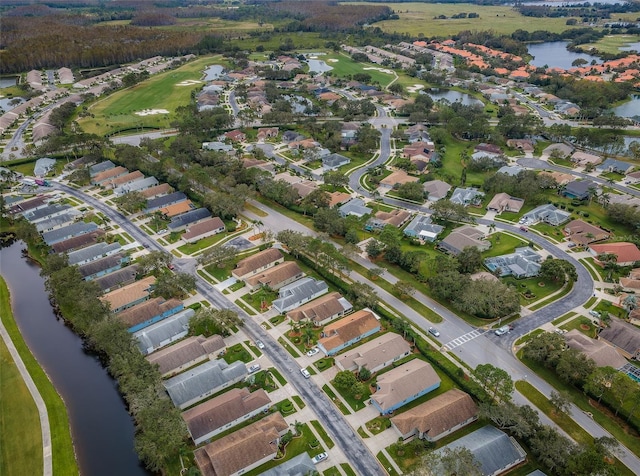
(335, 160)
(466, 196)
(301, 465)
(547, 213)
(165, 200)
(436, 189)
(56, 221)
(111, 280)
(43, 166)
(189, 217)
(356, 207)
(537, 472)
(579, 187)
(101, 167)
(76, 229)
(492, 448)
(45, 212)
(136, 185)
(422, 227)
(160, 334)
(92, 252)
(523, 262)
(299, 292)
(202, 379)
(615, 165)
(512, 170)
(96, 266)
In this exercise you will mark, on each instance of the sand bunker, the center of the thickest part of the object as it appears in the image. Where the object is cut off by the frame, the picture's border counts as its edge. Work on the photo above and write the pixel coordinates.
(188, 82)
(415, 87)
(332, 60)
(382, 70)
(151, 112)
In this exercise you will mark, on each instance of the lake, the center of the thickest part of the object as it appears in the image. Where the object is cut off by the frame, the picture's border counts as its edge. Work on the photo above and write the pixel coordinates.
(570, 2)
(6, 104)
(213, 72)
(8, 81)
(630, 108)
(555, 54)
(101, 428)
(452, 96)
(318, 66)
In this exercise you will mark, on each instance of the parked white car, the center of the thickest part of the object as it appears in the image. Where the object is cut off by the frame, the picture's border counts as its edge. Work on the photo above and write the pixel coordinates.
(312, 352)
(305, 373)
(502, 330)
(321, 457)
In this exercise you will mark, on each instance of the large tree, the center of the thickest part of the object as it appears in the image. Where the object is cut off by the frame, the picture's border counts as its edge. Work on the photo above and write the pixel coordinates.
(558, 270)
(448, 211)
(497, 381)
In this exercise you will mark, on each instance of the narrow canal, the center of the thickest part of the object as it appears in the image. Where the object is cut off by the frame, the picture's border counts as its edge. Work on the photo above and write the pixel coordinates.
(101, 427)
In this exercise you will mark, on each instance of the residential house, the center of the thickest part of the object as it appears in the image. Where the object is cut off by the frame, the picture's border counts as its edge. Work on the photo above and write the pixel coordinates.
(209, 227)
(163, 201)
(347, 331)
(322, 310)
(163, 333)
(633, 177)
(116, 182)
(299, 292)
(436, 189)
(92, 253)
(192, 217)
(41, 201)
(118, 278)
(395, 218)
(217, 146)
(349, 134)
(503, 202)
(585, 158)
(276, 277)
(422, 228)
(488, 148)
(334, 161)
(130, 295)
(397, 178)
(149, 312)
(546, 213)
(101, 267)
(420, 150)
(525, 145)
(524, 262)
(267, 133)
(438, 417)
(77, 242)
(296, 466)
(624, 337)
(304, 187)
(257, 263)
(403, 385)
(176, 209)
(559, 177)
(44, 213)
(467, 196)
(376, 354)
(602, 353)
(57, 222)
(225, 411)
(186, 353)
(108, 174)
(563, 150)
(136, 186)
(355, 207)
(511, 170)
(338, 198)
(203, 381)
(626, 253)
(463, 237)
(579, 189)
(582, 233)
(291, 136)
(101, 167)
(242, 450)
(614, 165)
(234, 136)
(496, 451)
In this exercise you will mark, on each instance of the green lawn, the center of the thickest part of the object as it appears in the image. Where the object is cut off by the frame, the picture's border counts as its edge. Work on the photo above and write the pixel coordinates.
(344, 66)
(237, 352)
(533, 286)
(612, 43)
(323, 434)
(502, 243)
(337, 402)
(64, 462)
(385, 463)
(164, 91)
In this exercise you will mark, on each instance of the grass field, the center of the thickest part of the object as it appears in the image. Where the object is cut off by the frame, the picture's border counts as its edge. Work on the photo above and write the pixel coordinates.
(117, 111)
(611, 43)
(344, 66)
(419, 18)
(18, 454)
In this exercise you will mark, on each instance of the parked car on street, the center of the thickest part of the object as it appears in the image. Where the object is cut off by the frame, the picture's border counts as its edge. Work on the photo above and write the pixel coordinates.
(434, 332)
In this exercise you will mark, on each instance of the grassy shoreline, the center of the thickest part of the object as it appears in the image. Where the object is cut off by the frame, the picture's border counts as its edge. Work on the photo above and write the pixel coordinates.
(64, 460)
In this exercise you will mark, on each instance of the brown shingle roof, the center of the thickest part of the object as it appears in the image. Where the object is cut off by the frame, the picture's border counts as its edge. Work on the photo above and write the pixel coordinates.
(319, 309)
(241, 448)
(404, 381)
(223, 409)
(146, 310)
(395, 218)
(161, 189)
(130, 177)
(129, 293)
(188, 350)
(622, 335)
(437, 415)
(257, 261)
(76, 242)
(108, 174)
(205, 226)
(599, 351)
(578, 229)
(348, 328)
(374, 353)
(274, 277)
(177, 208)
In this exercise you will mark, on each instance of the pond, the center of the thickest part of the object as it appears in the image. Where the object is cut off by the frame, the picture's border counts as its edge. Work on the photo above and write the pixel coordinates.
(555, 54)
(629, 108)
(453, 96)
(318, 66)
(213, 72)
(101, 428)
(6, 104)
(8, 81)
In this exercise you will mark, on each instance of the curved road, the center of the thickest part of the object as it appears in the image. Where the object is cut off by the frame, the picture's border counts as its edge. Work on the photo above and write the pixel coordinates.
(358, 454)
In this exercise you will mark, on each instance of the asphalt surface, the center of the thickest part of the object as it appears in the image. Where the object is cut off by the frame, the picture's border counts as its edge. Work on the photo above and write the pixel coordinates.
(340, 431)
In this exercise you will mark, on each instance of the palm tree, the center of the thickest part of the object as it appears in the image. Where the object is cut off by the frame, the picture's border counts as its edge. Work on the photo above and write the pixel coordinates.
(308, 333)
